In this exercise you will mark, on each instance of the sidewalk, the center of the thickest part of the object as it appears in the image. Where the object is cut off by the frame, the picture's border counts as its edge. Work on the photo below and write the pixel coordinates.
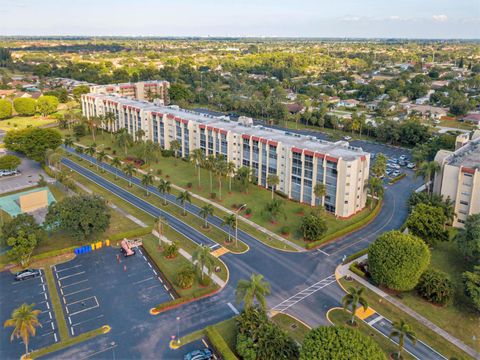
(343, 270)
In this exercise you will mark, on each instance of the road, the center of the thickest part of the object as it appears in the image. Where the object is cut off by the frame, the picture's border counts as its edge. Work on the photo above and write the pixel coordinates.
(303, 279)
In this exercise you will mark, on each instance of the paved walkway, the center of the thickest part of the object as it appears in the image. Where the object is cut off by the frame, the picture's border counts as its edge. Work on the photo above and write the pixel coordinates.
(228, 211)
(343, 270)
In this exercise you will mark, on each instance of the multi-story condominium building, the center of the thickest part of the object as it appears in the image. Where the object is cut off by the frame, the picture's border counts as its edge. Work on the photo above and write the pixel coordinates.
(459, 177)
(300, 162)
(144, 90)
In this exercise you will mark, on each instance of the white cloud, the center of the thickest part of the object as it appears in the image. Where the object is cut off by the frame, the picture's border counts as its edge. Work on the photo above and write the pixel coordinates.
(440, 18)
(351, 18)
(394, 17)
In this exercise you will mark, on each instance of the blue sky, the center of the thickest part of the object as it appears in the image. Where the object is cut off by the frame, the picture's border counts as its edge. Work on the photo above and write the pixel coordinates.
(307, 18)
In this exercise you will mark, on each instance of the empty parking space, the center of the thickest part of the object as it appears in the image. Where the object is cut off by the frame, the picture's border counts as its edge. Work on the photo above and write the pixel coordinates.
(96, 286)
(12, 295)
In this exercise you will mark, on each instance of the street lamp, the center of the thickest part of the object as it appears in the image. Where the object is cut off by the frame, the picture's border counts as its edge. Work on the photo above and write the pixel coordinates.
(178, 330)
(236, 222)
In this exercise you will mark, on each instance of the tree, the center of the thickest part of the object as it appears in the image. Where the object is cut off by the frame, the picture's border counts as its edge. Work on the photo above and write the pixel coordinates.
(471, 282)
(183, 198)
(6, 109)
(254, 289)
(209, 164)
(202, 258)
(468, 238)
(427, 222)
(116, 163)
(24, 106)
(352, 299)
(129, 170)
(186, 277)
(22, 223)
(100, 157)
(273, 208)
(21, 247)
(33, 142)
(379, 166)
(80, 90)
(272, 181)
(402, 330)
(427, 170)
(68, 142)
(376, 187)
(139, 135)
(81, 216)
(47, 105)
(335, 342)
(147, 180)
(436, 200)
(9, 162)
(110, 122)
(24, 320)
(313, 227)
(243, 176)
(220, 169)
(230, 221)
(175, 146)
(206, 211)
(398, 260)
(197, 157)
(230, 172)
(164, 188)
(124, 140)
(320, 190)
(435, 286)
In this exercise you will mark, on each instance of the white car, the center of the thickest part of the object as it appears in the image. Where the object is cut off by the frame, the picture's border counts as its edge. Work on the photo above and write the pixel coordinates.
(411, 165)
(347, 138)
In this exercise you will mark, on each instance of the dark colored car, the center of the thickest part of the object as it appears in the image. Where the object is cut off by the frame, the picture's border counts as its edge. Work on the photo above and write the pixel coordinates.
(205, 354)
(27, 274)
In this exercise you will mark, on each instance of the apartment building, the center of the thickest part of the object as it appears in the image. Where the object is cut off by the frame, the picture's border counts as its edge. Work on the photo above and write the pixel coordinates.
(156, 90)
(300, 162)
(459, 176)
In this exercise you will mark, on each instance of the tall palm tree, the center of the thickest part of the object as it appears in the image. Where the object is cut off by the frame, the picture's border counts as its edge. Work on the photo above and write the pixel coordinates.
(352, 299)
(100, 157)
(129, 170)
(164, 187)
(206, 211)
(116, 163)
(243, 176)
(254, 289)
(91, 149)
(79, 150)
(203, 259)
(230, 221)
(110, 121)
(183, 198)
(197, 157)
(124, 140)
(230, 173)
(210, 166)
(24, 320)
(273, 180)
(402, 330)
(320, 190)
(68, 142)
(427, 170)
(147, 180)
(92, 123)
(220, 169)
(175, 146)
(139, 134)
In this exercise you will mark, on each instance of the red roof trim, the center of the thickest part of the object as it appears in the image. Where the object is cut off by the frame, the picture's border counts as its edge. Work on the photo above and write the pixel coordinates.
(468, 170)
(296, 150)
(184, 121)
(308, 152)
(170, 116)
(363, 158)
(202, 126)
(255, 138)
(332, 159)
(245, 136)
(224, 132)
(263, 141)
(272, 143)
(320, 155)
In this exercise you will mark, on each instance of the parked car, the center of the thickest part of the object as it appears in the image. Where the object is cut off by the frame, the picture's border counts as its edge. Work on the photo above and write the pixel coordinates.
(396, 173)
(27, 274)
(204, 354)
(388, 172)
(393, 160)
(411, 165)
(347, 138)
(403, 157)
(8, 172)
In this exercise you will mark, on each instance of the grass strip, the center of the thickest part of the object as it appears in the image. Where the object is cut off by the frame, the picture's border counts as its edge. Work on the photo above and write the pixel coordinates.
(296, 329)
(56, 304)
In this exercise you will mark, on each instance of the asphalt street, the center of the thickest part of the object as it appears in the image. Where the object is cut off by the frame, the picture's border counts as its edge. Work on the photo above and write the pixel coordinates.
(305, 277)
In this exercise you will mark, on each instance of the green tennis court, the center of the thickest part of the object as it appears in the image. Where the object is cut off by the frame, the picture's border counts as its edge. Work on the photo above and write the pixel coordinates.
(11, 203)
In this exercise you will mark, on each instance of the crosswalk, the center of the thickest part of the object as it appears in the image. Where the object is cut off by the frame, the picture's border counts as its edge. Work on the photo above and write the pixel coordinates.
(219, 251)
(284, 305)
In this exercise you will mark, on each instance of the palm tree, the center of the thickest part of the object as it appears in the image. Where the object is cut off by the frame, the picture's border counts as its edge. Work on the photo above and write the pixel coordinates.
(124, 140)
(320, 190)
(183, 198)
(402, 330)
(129, 170)
(273, 180)
(354, 298)
(100, 157)
(427, 171)
(220, 169)
(92, 123)
(24, 320)
(254, 289)
(243, 175)
(91, 150)
(205, 212)
(209, 164)
(273, 208)
(230, 170)
(68, 142)
(230, 221)
(164, 188)
(175, 146)
(110, 121)
(197, 157)
(116, 163)
(203, 259)
(79, 150)
(147, 180)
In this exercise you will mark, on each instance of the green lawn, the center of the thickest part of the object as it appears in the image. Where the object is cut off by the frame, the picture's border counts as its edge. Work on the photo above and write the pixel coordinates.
(423, 333)
(21, 122)
(447, 258)
(296, 329)
(182, 173)
(456, 124)
(341, 317)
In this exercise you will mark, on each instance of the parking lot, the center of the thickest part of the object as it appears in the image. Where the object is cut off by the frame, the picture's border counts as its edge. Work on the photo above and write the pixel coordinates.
(12, 295)
(98, 289)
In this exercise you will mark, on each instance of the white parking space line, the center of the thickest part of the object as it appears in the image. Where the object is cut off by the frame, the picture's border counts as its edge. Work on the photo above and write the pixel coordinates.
(141, 281)
(71, 329)
(83, 300)
(55, 336)
(78, 282)
(150, 265)
(76, 292)
(140, 251)
(233, 308)
(155, 272)
(69, 276)
(84, 321)
(145, 258)
(72, 267)
(86, 309)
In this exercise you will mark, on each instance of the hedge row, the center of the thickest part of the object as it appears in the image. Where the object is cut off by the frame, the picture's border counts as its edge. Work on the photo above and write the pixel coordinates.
(356, 255)
(398, 178)
(219, 343)
(347, 229)
(184, 299)
(131, 233)
(53, 253)
(356, 270)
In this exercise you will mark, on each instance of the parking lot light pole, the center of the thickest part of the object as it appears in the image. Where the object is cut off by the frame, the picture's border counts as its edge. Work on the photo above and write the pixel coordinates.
(178, 330)
(236, 222)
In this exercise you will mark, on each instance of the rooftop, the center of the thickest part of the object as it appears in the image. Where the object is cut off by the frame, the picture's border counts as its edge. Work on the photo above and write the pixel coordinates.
(336, 149)
(467, 156)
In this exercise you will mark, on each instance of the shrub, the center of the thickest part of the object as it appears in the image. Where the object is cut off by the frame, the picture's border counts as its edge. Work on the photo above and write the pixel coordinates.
(427, 222)
(248, 211)
(471, 281)
(9, 162)
(356, 270)
(5, 109)
(219, 344)
(398, 260)
(285, 230)
(333, 342)
(435, 286)
(167, 153)
(189, 185)
(171, 251)
(205, 281)
(47, 104)
(24, 106)
(356, 255)
(79, 130)
(186, 277)
(313, 227)
(159, 172)
(213, 195)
